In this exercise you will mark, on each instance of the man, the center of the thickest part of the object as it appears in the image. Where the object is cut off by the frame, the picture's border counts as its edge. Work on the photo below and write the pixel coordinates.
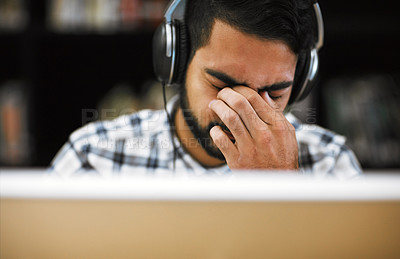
(237, 82)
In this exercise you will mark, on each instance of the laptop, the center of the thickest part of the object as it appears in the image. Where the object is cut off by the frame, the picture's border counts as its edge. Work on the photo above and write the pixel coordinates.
(247, 215)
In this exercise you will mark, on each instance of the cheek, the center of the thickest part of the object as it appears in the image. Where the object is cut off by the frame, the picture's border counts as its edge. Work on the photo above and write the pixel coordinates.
(200, 94)
(206, 114)
(283, 102)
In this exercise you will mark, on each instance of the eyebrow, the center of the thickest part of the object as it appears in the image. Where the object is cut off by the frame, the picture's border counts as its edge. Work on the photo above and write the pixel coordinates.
(230, 81)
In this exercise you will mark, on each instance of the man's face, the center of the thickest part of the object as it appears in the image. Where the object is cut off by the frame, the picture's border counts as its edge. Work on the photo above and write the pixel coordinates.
(231, 59)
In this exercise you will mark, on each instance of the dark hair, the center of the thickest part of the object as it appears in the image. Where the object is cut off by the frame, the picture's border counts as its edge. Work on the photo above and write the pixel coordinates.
(291, 21)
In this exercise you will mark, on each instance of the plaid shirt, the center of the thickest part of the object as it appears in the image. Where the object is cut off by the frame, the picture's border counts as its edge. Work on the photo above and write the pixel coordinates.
(141, 144)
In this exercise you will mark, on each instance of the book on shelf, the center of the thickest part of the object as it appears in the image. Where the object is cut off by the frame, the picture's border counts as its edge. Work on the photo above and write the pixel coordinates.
(104, 16)
(14, 15)
(15, 140)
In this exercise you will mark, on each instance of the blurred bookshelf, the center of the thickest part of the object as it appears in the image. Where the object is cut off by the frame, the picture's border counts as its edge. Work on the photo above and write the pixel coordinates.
(59, 58)
(359, 91)
(366, 110)
(104, 16)
(62, 58)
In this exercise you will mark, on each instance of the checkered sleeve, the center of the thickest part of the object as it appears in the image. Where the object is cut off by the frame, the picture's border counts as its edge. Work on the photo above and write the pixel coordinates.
(324, 153)
(132, 143)
(347, 165)
(72, 158)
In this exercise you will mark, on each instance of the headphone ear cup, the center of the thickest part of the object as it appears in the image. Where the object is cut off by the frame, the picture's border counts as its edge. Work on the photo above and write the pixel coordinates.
(300, 84)
(161, 63)
(182, 52)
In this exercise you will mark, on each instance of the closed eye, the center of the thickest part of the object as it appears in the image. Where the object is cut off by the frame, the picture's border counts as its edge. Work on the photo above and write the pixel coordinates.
(276, 94)
(271, 94)
(275, 97)
(230, 82)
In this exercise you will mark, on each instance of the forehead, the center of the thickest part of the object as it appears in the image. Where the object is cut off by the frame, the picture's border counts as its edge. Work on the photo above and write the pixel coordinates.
(247, 57)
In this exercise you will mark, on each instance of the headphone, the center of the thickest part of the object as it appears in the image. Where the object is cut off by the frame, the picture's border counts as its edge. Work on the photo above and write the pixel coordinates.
(171, 48)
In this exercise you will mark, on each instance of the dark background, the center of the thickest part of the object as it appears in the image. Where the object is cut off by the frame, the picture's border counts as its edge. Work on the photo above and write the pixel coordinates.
(67, 72)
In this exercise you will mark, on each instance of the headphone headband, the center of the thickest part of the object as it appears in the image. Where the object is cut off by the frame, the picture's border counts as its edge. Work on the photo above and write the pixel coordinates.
(320, 24)
(175, 10)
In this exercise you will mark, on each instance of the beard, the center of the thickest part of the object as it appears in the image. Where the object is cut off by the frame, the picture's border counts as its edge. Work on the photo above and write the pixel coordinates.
(202, 135)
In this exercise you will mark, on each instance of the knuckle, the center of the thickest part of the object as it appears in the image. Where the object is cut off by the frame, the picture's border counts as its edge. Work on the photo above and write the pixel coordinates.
(231, 117)
(266, 137)
(281, 124)
(253, 97)
(222, 143)
(238, 103)
(241, 160)
(252, 152)
(246, 159)
(281, 127)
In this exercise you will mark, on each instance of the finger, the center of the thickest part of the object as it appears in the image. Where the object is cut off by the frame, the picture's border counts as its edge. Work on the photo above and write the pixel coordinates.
(231, 120)
(263, 105)
(223, 142)
(242, 106)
